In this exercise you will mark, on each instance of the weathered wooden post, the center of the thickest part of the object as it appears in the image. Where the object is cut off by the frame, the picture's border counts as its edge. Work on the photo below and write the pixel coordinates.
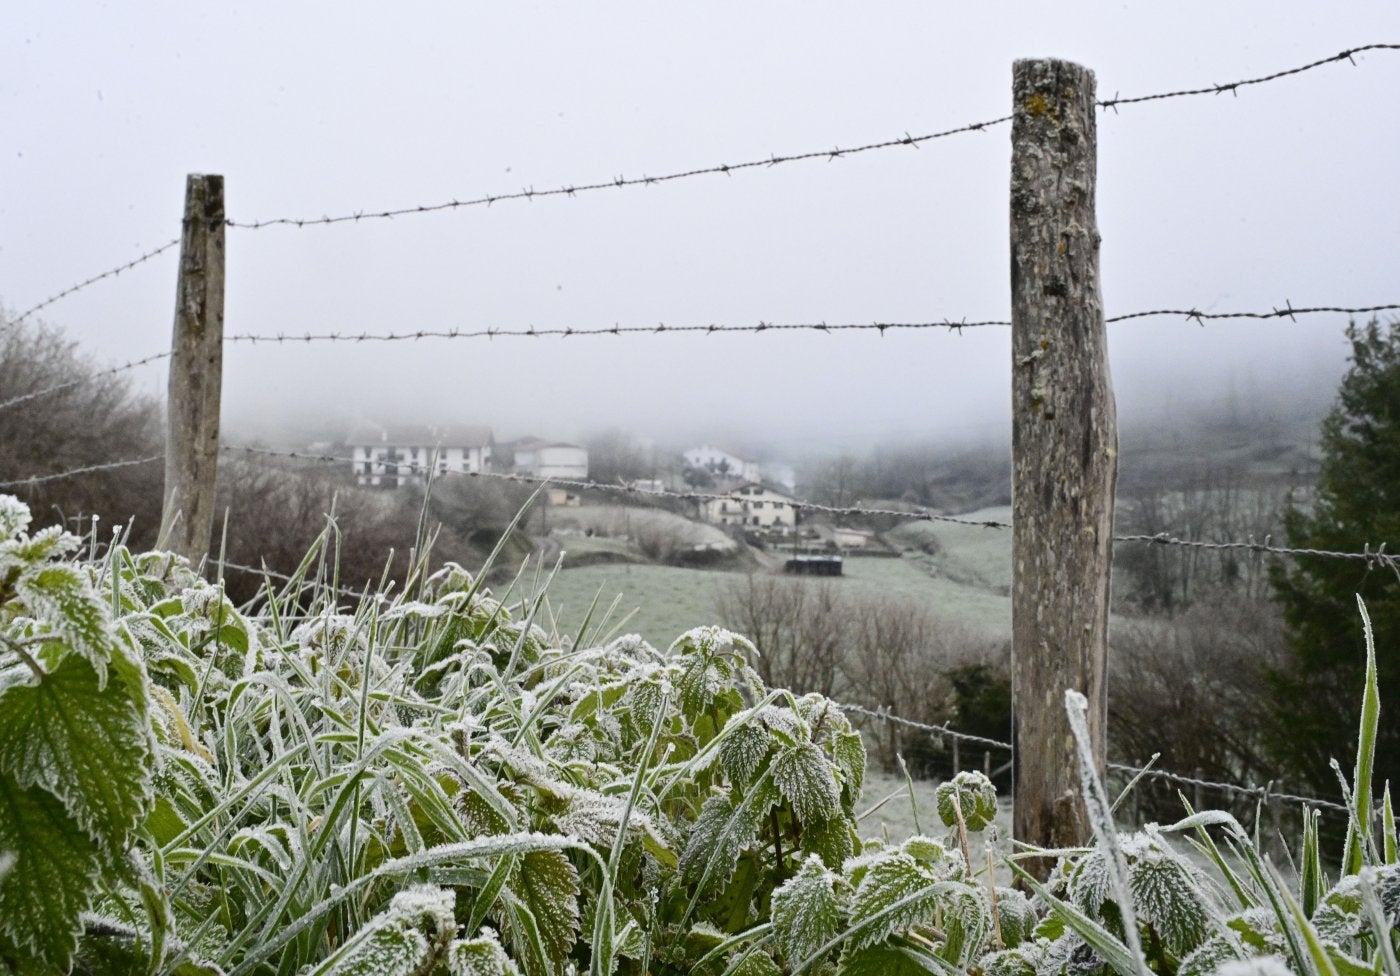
(1064, 448)
(196, 373)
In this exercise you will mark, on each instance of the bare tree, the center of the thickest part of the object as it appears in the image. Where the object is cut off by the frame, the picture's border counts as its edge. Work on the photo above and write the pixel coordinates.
(75, 417)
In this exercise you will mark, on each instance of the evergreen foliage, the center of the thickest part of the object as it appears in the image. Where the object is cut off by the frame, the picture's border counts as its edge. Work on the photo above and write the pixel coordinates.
(1357, 502)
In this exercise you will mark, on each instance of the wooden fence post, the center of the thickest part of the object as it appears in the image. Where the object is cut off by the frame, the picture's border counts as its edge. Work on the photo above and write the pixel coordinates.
(196, 373)
(1064, 448)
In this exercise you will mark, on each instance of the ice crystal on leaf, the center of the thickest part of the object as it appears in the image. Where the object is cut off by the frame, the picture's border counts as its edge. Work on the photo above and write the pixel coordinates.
(806, 911)
(481, 956)
(804, 777)
(973, 794)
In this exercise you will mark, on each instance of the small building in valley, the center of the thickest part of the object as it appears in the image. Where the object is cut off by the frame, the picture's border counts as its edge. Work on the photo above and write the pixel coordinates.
(752, 504)
(722, 463)
(400, 455)
(537, 458)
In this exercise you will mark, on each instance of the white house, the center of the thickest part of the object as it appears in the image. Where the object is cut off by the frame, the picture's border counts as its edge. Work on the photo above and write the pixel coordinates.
(538, 458)
(754, 505)
(718, 461)
(851, 538)
(393, 456)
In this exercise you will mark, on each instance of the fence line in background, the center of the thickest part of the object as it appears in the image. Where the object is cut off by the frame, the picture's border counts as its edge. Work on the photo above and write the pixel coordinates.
(1372, 557)
(1265, 793)
(725, 169)
(1234, 86)
(69, 384)
(827, 154)
(75, 472)
(110, 273)
(661, 328)
(951, 325)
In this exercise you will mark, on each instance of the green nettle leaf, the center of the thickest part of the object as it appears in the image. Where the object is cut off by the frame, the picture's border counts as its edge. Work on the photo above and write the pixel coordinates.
(52, 880)
(976, 797)
(722, 831)
(548, 885)
(1167, 895)
(1209, 956)
(887, 960)
(702, 678)
(849, 753)
(895, 893)
(1018, 961)
(1015, 917)
(64, 601)
(804, 777)
(757, 964)
(806, 911)
(90, 747)
(743, 750)
(833, 840)
(398, 940)
(481, 956)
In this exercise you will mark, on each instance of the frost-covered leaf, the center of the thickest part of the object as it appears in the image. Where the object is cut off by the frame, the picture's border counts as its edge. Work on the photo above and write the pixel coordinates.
(481, 956)
(757, 963)
(894, 893)
(90, 747)
(888, 960)
(399, 939)
(833, 840)
(1256, 966)
(14, 517)
(1208, 956)
(848, 752)
(1168, 896)
(53, 878)
(722, 831)
(703, 677)
(1016, 961)
(803, 776)
(1015, 917)
(64, 602)
(743, 750)
(805, 911)
(548, 885)
(975, 796)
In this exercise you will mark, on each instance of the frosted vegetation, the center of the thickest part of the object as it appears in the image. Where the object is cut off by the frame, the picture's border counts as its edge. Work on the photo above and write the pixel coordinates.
(419, 782)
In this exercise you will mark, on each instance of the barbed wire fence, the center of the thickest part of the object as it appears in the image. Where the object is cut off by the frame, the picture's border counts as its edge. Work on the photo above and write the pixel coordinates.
(1287, 311)
(722, 169)
(1376, 557)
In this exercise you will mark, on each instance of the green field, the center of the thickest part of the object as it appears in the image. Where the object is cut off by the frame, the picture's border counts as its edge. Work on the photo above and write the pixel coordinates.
(669, 601)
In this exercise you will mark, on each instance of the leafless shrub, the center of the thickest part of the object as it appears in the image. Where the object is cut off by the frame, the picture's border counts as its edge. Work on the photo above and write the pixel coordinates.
(1191, 686)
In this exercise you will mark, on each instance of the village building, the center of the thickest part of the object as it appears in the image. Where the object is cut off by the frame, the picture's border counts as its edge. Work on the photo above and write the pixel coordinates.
(401, 455)
(722, 463)
(537, 458)
(753, 505)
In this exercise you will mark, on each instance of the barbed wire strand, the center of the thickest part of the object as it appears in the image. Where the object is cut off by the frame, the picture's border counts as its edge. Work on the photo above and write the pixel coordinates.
(1234, 86)
(69, 384)
(110, 273)
(75, 472)
(619, 182)
(725, 169)
(1288, 311)
(728, 169)
(1266, 793)
(952, 325)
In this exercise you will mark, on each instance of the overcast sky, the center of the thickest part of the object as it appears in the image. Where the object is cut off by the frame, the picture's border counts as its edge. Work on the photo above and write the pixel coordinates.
(1286, 192)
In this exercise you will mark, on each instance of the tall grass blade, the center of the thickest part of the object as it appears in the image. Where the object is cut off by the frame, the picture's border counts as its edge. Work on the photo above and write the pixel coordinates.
(1101, 821)
(1359, 829)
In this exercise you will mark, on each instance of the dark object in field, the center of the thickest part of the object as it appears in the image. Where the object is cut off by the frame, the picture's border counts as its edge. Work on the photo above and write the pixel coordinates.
(814, 565)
